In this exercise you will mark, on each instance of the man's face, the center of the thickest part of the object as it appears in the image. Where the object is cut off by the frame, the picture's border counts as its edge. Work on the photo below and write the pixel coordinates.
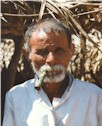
(50, 52)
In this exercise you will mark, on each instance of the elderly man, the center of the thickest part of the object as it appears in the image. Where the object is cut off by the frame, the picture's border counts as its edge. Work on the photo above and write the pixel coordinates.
(53, 97)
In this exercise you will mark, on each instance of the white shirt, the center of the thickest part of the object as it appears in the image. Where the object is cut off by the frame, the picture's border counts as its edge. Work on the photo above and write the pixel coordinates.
(81, 105)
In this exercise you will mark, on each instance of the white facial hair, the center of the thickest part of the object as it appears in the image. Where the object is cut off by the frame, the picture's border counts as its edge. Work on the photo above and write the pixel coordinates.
(50, 69)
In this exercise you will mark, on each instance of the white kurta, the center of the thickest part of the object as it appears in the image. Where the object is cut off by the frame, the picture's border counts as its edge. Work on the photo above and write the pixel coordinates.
(79, 106)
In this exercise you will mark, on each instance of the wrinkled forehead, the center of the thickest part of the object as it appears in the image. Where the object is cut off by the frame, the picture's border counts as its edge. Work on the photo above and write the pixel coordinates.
(43, 39)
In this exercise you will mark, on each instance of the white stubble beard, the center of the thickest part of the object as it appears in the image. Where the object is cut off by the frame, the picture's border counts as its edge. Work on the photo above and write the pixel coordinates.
(51, 79)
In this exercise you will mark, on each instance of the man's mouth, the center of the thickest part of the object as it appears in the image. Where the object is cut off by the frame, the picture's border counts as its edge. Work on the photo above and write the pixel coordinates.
(53, 73)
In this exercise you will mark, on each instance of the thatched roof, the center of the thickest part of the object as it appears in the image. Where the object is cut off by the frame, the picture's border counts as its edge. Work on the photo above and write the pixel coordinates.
(16, 15)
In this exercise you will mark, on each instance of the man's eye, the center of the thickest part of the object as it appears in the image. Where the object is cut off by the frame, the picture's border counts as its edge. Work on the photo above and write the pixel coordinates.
(42, 52)
(58, 50)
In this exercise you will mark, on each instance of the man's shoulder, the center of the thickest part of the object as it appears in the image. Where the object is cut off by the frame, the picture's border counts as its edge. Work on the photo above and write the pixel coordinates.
(87, 87)
(22, 87)
(21, 93)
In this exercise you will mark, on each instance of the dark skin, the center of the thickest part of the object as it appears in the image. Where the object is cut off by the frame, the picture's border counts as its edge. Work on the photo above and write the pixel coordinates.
(51, 48)
(60, 88)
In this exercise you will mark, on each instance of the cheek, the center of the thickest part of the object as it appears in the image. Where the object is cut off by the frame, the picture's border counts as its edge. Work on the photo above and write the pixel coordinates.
(37, 60)
(65, 61)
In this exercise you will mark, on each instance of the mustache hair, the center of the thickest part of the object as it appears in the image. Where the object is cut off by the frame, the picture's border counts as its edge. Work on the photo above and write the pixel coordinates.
(52, 69)
(49, 68)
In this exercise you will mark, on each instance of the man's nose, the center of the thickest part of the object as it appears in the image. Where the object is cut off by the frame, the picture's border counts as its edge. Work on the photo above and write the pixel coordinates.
(51, 60)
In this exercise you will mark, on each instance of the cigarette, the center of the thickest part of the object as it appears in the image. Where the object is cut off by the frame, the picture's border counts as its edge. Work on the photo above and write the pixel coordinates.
(39, 83)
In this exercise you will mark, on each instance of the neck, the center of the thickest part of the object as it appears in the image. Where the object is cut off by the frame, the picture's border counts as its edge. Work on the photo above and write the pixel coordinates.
(55, 89)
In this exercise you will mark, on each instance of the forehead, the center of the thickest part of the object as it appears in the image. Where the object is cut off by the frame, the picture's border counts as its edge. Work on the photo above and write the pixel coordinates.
(39, 35)
(41, 38)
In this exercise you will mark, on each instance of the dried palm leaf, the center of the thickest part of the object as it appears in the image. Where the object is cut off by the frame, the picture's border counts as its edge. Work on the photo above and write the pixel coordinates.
(42, 9)
(90, 8)
(81, 30)
(53, 5)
